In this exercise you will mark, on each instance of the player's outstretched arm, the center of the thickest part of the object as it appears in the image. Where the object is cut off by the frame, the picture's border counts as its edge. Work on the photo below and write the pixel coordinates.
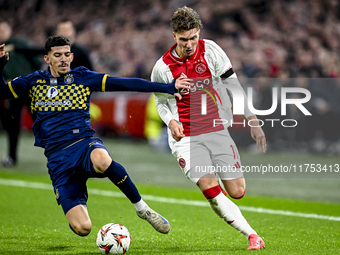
(141, 85)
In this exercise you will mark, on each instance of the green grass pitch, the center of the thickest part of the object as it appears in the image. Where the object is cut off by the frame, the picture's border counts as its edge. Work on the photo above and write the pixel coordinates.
(32, 223)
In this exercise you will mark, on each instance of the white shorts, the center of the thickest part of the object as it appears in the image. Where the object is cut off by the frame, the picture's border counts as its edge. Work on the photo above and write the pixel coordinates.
(212, 153)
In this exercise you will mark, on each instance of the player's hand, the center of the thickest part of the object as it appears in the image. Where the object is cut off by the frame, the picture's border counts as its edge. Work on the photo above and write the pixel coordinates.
(176, 130)
(182, 82)
(257, 134)
(3, 53)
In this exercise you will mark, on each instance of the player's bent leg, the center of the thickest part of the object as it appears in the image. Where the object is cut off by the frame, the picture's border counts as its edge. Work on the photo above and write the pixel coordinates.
(101, 160)
(103, 163)
(225, 208)
(206, 182)
(79, 220)
(236, 188)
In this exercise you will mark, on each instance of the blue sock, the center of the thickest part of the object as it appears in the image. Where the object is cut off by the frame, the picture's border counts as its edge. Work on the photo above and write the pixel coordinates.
(118, 175)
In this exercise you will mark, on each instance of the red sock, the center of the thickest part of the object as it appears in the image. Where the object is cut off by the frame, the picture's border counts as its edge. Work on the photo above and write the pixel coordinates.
(224, 192)
(212, 192)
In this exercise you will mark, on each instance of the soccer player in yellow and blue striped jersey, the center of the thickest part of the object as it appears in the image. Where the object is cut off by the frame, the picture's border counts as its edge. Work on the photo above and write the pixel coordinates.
(60, 107)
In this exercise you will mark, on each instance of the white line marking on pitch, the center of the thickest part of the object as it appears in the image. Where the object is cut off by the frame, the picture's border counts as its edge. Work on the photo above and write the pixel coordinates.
(107, 193)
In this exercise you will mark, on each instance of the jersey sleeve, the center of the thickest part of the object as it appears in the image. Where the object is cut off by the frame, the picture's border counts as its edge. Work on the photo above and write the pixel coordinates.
(221, 66)
(103, 82)
(238, 92)
(96, 81)
(159, 75)
(217, 59)
(16, 88)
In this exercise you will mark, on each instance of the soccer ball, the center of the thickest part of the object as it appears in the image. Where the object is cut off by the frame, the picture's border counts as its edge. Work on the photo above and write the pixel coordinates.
(113, 238)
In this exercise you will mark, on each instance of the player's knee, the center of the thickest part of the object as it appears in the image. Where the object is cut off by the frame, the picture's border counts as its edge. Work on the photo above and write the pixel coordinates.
(237, 193)
(82, 229)
(101, 166)
(101, 160)
(207, 182)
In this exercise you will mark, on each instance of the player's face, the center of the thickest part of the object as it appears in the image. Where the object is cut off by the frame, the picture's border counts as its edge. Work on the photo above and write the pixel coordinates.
(59, 60)
(186, 42)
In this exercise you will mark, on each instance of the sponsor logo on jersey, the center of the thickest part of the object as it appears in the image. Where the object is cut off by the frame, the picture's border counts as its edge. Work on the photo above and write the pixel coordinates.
(59, 97)
(52, 92)
(53, 103)
(184, 91)
(199, 84)
(41, 81)
(68, 79)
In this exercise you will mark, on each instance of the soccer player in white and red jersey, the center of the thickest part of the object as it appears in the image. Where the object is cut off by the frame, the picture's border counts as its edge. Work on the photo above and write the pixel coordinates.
(195, 140)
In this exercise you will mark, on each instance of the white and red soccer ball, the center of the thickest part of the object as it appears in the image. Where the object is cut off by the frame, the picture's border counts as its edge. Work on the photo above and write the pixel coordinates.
(113, 238)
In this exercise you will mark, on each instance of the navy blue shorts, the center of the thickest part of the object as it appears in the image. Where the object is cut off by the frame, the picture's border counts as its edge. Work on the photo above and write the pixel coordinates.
(69, 170)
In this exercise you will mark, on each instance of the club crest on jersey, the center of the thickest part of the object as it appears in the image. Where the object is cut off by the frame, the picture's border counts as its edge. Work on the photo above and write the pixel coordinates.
(200, 68)
(68, 79)
(182, 163)
(52, 92)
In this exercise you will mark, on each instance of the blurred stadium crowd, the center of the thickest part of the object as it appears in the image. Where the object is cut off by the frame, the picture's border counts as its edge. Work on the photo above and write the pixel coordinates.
(282, 39)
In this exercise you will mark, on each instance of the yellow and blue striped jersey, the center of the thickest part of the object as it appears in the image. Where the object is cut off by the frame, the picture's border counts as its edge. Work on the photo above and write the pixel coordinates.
(60, 106)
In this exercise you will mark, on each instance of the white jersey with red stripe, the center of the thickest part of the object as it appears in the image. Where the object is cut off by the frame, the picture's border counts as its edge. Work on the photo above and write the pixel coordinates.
(205, 67)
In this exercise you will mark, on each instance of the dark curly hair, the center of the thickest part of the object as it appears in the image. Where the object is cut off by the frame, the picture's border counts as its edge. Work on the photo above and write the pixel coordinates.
(56, 40)
(185, 19)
